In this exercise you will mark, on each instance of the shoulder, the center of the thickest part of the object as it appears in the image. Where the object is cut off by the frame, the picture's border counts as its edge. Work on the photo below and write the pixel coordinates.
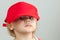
(39, 38)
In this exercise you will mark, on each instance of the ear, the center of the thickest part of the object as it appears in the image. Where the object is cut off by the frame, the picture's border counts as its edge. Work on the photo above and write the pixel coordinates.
(10, 26)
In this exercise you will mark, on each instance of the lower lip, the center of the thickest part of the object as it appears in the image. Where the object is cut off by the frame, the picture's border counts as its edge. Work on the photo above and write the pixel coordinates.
(28, 26)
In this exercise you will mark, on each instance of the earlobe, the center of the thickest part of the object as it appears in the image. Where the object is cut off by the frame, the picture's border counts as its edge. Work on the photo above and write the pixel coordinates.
(10, 26)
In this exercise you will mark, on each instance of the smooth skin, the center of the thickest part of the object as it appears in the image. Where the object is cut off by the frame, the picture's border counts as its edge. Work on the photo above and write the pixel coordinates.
(23, 28)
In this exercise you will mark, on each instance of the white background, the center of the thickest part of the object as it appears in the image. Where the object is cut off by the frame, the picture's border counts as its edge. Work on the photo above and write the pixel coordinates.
(49, 24)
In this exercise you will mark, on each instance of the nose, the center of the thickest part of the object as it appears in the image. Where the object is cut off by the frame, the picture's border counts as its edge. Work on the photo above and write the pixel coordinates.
(28, 20)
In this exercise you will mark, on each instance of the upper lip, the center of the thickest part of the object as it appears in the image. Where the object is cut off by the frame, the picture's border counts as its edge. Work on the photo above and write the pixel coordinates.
(28, 25)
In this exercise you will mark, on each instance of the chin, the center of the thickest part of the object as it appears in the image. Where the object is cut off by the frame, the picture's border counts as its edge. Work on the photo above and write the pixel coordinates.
(29, 31)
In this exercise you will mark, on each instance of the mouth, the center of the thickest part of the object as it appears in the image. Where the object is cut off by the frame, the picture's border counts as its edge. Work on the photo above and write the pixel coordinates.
(28, 26)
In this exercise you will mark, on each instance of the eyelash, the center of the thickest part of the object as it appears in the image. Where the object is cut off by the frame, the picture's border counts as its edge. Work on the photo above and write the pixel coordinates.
(23, 18)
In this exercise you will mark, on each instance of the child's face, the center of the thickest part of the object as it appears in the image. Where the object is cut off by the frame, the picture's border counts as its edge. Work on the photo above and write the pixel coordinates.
(24, 24)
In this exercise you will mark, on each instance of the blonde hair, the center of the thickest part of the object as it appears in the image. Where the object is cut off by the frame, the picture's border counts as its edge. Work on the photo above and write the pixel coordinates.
(11, 32)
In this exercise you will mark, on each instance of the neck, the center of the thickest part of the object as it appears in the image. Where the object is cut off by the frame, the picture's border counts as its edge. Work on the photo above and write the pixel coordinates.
(24, 36)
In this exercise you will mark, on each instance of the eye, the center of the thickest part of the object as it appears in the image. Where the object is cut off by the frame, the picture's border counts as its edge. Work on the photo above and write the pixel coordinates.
(31, 17)
(26, 17)
(22, 18)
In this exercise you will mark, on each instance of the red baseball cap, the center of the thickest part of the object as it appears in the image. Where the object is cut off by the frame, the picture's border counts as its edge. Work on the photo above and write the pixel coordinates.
(21, 9)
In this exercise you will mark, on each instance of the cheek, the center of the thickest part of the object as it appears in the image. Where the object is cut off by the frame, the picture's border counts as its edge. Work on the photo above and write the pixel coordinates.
(34, 25)
(18, 25)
